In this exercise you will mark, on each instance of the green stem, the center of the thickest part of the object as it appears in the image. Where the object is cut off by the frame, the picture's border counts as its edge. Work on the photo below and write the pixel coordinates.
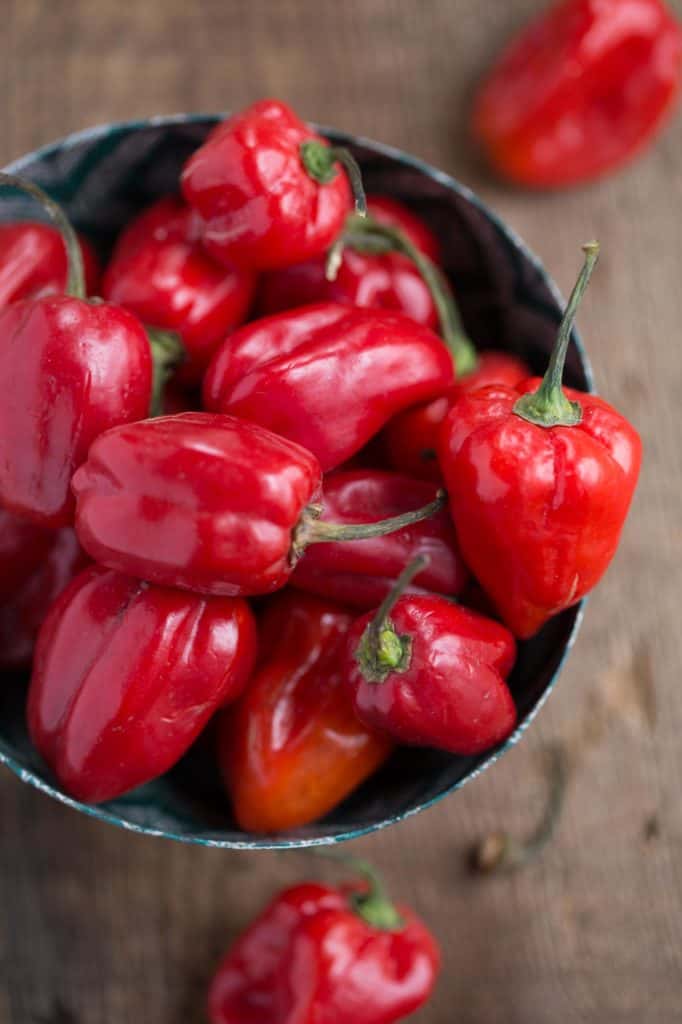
(373, 906)
(382, 650)
(500, 851)
(320, 161)
(549, 406)
(167, 354)
(369, 235)
(75, 281)
(312, 530)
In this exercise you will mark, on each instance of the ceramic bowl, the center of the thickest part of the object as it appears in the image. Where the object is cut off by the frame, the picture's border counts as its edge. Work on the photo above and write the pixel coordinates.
(106, 175)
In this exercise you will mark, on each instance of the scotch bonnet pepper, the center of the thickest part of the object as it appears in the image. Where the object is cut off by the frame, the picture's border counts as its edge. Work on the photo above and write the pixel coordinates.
(76, 368)
(360, 573)
(33, 262)
(540, 480)
(34, 589)
(208, 503)
(362, 959)
(292, 747)
(160, 271)
(584, 87)
(428, 672)
(373, 280)
(327, 376)
(126, 676)
(269, 189)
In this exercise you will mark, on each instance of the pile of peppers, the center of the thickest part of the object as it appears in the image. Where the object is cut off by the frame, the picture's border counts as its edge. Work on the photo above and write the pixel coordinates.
(248, 476)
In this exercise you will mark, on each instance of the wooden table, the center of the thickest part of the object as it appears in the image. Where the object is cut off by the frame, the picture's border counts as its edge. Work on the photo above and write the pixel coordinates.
(100, 927)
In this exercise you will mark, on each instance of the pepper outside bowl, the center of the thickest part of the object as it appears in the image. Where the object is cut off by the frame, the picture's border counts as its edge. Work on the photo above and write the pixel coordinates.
(103, 177)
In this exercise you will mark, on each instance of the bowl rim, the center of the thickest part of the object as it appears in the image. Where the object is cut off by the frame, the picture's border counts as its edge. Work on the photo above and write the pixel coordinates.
(267, 842)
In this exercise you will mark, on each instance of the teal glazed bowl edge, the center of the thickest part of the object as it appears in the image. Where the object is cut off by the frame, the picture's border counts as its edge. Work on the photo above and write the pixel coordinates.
(103, 176)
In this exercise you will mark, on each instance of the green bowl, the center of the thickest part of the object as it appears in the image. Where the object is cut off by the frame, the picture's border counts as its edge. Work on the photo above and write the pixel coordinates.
(103, 177)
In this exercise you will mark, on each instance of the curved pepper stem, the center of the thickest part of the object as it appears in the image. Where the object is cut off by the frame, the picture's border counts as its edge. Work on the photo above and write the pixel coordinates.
(320, 162)
(370, 236)
(372, 906)
(382, 650)
(312, 530)
(75, 280)
(549, 406)
(167, 354)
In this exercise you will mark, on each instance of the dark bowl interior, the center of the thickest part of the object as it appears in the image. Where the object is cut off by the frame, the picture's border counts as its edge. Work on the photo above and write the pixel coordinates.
(103, 177)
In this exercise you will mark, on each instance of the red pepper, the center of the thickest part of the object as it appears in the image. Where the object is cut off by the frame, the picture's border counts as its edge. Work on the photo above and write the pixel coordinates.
(23, 611)
(383, 280)
(540, 482)
(268, 189)
(207, 503)
(430, 673)
(33, 262)
(291, 749)
(583, 89)
(360, 573)
(410, 439)
(161, 272)
(323, 955)
(73, 368)
(23, 546)
(126, 676)
(327, 376)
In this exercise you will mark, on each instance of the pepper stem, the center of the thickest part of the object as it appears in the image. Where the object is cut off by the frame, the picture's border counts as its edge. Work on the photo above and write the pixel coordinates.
(311, 530)
(382, 650)
(372, 906)
(370, 236)
(549, 406)
(167, 354)
(75, 280)
(319, 160)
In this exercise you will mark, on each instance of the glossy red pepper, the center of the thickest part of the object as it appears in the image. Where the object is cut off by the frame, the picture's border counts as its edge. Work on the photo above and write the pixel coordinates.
(375, 280)
(430, 673)
(33, 262)
(76, 368)
(583, 89)
(410, 439)
(126, 676)
(540, 482)
(292, 749)
(207, 503)
(323, 955)
(268, 189)
(23, 611)
(160, 271)
(327, 376)
(360, 573)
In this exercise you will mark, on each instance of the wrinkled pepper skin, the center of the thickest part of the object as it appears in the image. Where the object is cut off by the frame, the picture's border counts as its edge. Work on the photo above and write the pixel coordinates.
(375, 281)
(160, 271)
(23, 612)
(310, 958)
(261, 207)
(206, 503)
(33, 262)
(538, 510)
(449, 692)
(581, 91)
(410, 439)
(331, 387)
(76, 368)
(360, 573)
(291, 749)
(126, 676)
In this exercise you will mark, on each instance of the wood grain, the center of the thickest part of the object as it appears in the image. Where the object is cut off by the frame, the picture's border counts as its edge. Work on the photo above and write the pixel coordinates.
(100, 926)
